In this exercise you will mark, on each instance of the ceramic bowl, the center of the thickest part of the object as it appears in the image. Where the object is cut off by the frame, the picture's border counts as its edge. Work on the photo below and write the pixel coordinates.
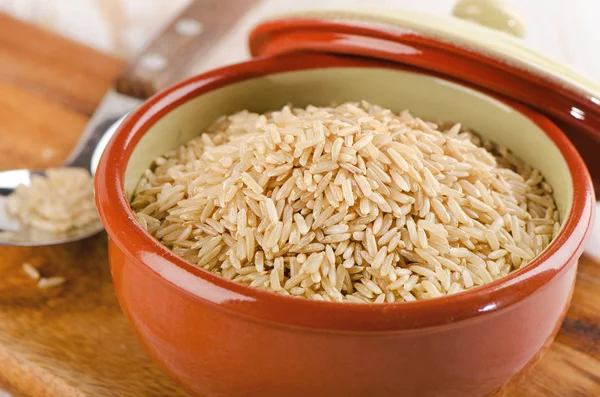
(219, 338)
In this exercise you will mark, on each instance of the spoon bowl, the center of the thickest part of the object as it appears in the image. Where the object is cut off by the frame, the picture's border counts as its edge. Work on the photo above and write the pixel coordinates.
(86, 155)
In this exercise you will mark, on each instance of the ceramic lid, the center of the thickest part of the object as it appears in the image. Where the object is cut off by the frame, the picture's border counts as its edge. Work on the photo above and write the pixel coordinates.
(463, 51)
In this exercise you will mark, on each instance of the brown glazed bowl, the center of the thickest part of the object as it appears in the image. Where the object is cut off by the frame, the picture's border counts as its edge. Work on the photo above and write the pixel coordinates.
(219, 338)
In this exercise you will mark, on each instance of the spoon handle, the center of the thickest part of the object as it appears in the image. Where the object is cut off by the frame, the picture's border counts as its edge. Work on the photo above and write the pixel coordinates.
(100, 128)
(187, 38)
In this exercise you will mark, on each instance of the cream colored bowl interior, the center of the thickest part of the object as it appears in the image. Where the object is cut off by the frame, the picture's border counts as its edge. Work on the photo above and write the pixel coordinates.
(425, 96)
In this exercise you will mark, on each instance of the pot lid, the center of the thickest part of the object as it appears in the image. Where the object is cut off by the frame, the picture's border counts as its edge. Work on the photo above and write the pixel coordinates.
(457, 49)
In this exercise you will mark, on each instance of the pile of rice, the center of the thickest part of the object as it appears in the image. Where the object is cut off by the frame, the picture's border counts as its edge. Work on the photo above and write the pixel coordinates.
(352, 203)
(60, 201)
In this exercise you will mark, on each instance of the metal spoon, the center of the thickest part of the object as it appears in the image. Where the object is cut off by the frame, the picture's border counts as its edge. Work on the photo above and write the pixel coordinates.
(86, 155)
(171, 56)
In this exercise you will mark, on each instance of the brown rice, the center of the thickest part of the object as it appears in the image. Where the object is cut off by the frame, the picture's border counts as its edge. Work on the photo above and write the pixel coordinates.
(50, 282)
(60, 201)
(350, 203)
(31, 271)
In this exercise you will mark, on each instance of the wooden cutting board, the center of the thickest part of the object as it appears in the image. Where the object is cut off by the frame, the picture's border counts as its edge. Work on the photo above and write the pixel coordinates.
(74, 340)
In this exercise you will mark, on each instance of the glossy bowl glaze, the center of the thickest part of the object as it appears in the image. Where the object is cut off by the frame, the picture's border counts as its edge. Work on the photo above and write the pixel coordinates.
(219, 338)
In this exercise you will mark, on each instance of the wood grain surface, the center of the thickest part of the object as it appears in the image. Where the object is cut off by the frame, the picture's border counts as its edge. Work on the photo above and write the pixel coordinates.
(74, 340)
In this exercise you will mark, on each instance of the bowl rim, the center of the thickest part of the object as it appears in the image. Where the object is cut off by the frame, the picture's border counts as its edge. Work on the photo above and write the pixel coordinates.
(136, 243)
